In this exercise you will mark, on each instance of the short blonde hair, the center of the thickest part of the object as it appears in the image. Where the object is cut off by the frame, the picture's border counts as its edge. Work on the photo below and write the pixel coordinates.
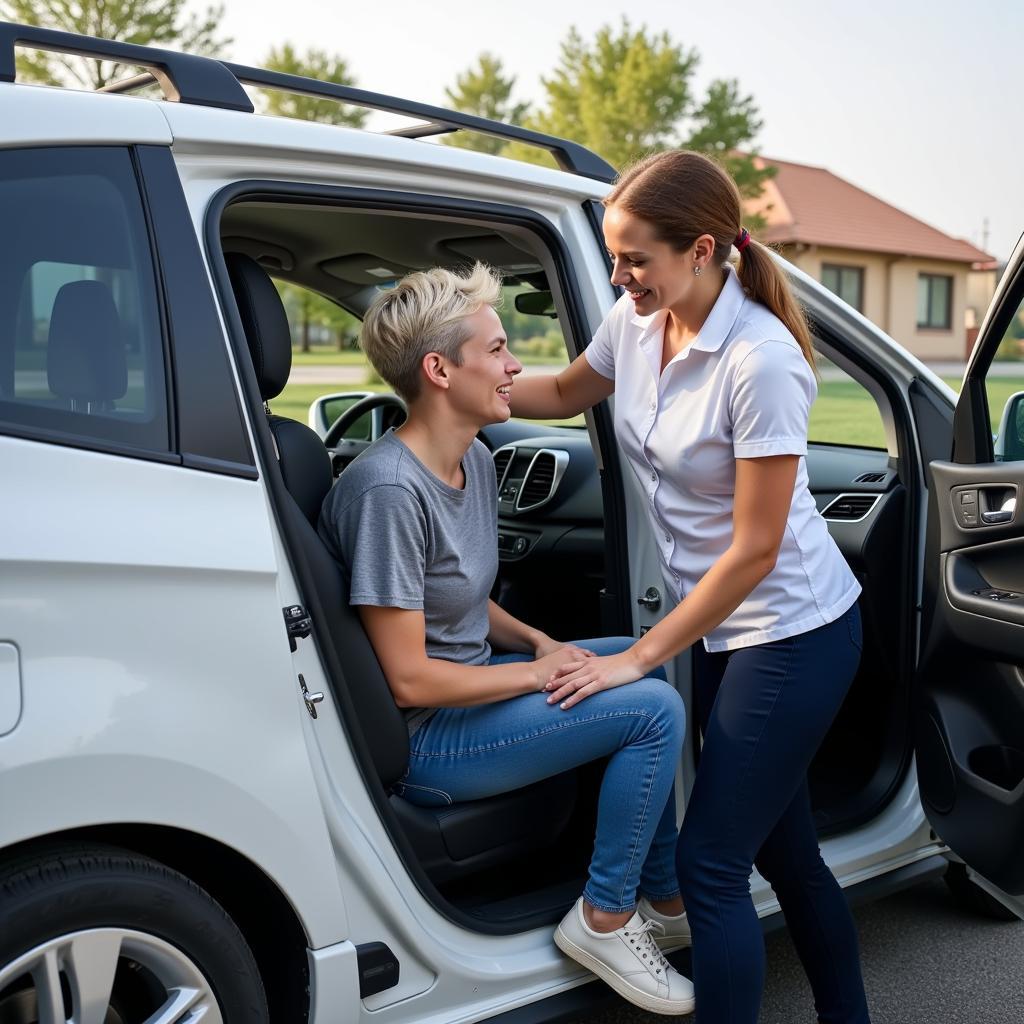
(425, 312)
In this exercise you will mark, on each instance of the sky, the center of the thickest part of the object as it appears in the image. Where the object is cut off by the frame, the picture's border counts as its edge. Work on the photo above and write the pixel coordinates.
(916, 102)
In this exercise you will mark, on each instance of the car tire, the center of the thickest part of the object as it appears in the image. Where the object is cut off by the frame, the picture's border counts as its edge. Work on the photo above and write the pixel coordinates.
(973, 898)
(103, 934)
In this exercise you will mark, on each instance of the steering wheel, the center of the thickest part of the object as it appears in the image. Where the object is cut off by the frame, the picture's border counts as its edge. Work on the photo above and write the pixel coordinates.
(334, 439)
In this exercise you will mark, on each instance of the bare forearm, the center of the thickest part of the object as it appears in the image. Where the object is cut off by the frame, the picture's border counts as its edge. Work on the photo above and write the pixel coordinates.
(539, 398)
(436, 683)
(724, 587)
(509, 633)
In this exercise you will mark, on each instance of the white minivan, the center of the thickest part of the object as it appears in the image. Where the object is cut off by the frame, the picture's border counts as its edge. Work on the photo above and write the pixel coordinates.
(197, 745)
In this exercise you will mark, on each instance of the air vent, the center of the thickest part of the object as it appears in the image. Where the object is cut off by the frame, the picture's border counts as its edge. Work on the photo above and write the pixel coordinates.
(869, 478)
(542, 478)
(502, 457)
(850, 508)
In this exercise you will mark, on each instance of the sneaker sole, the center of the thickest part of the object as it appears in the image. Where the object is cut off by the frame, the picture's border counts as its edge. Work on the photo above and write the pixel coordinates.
(668, 1007)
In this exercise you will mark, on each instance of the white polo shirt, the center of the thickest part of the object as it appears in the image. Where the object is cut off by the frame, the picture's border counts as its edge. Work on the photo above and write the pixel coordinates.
(740, 390)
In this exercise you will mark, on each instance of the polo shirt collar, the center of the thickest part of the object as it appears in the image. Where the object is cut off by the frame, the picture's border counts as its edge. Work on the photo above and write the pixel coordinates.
(718, 325)
(722, 317)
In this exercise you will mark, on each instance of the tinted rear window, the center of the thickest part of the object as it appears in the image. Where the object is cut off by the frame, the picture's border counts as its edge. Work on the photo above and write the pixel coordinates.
(81, 345)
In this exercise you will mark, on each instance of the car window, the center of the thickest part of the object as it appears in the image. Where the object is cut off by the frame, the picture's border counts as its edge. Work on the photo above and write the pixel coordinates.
(1004, 388)
(535, 338)
(844, 411)
(325, 357)
(81, 345)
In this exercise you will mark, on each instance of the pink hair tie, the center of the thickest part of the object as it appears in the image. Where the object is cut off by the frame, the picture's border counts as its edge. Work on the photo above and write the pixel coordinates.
(742, 240)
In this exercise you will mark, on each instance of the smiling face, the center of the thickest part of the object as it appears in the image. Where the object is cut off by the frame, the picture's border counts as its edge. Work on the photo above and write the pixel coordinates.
(656, 275)
(479, 386)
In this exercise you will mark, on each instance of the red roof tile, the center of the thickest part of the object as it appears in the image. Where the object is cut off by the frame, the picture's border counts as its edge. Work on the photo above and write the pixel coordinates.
(814, 206)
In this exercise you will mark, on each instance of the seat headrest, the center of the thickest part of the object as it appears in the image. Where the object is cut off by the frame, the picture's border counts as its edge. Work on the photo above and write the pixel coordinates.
(264, 322)
(85, 356)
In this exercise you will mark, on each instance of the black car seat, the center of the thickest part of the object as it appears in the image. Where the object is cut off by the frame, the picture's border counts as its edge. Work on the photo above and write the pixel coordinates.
(450, 842)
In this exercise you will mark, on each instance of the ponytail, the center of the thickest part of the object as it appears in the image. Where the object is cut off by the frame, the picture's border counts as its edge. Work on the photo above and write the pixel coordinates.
(764, 282)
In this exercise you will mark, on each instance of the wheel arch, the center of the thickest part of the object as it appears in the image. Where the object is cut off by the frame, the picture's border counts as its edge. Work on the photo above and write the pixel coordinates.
(268, 921)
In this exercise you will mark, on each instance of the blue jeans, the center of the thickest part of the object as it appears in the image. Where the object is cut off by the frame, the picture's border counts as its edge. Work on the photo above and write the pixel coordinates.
(469, 753)
(764, 711)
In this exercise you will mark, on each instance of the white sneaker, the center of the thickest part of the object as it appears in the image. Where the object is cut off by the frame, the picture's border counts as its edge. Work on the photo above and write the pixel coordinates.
(629, 960)
(674, 930)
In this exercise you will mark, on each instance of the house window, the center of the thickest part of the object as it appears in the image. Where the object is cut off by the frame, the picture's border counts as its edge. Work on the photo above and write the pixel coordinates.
(935, 301)
(846, 282)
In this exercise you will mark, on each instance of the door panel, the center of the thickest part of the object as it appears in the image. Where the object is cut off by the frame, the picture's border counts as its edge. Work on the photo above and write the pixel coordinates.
(969, 698)
(970, 712)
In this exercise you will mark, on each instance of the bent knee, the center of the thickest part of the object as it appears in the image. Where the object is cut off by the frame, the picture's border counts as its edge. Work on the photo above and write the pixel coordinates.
(782, 871)
(662, 701)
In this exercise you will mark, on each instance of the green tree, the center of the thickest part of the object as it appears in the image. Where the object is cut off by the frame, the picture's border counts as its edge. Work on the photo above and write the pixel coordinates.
(307, 310)
(312, 64)
(484, 90)
(630, 92)
(147, 22)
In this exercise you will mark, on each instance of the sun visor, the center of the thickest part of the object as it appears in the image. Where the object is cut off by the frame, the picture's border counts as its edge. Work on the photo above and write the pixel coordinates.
(363, 268)
(495, 252)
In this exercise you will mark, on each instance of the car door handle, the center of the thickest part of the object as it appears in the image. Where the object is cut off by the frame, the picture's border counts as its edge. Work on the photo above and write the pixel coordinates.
(991, 518)
(10, 687)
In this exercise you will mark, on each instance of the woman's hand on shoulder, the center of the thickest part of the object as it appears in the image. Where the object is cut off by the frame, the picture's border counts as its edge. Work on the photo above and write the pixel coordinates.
(577, 680)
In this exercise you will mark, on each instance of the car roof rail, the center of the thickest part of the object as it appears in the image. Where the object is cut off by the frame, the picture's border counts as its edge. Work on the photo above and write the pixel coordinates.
(183, 77)
(570, 156)
(207, 82)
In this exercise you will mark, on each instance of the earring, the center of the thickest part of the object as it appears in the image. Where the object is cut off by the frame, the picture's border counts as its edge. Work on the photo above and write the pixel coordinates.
(697, 269)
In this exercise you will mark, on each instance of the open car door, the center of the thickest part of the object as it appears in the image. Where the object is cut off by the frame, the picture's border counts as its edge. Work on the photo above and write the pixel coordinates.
(969, 695)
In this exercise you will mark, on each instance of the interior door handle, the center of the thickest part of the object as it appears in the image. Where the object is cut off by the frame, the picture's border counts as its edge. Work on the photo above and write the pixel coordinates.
(991, 518)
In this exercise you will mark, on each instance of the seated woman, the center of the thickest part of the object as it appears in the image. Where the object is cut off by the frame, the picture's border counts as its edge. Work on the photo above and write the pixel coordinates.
(413, 523)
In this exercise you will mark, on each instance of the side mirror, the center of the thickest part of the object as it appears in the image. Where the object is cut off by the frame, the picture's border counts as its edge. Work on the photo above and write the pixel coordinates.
(538, 303)
(1009, 439)
(326, 409)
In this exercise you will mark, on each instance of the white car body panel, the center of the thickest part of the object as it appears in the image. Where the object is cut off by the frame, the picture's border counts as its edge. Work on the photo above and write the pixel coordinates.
(144, 610)
(38, 116)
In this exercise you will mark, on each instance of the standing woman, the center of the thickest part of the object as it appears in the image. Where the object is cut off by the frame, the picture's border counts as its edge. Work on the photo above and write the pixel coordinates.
(712, 370)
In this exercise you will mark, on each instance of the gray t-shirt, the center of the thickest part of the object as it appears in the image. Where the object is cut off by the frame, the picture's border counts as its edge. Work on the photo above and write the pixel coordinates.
(406, 539)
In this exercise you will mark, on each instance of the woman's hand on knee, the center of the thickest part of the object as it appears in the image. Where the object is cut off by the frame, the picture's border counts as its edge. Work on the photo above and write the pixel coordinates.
(547, 666)
(579, 679)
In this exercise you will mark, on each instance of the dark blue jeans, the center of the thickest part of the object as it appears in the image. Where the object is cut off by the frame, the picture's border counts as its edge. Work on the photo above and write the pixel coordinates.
(763, 712)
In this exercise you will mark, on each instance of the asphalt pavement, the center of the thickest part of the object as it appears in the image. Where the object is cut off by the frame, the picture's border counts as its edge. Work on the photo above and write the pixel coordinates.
(925, 962)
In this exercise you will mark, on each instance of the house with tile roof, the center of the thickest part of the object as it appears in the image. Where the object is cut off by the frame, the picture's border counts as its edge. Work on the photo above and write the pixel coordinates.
(920, 285)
